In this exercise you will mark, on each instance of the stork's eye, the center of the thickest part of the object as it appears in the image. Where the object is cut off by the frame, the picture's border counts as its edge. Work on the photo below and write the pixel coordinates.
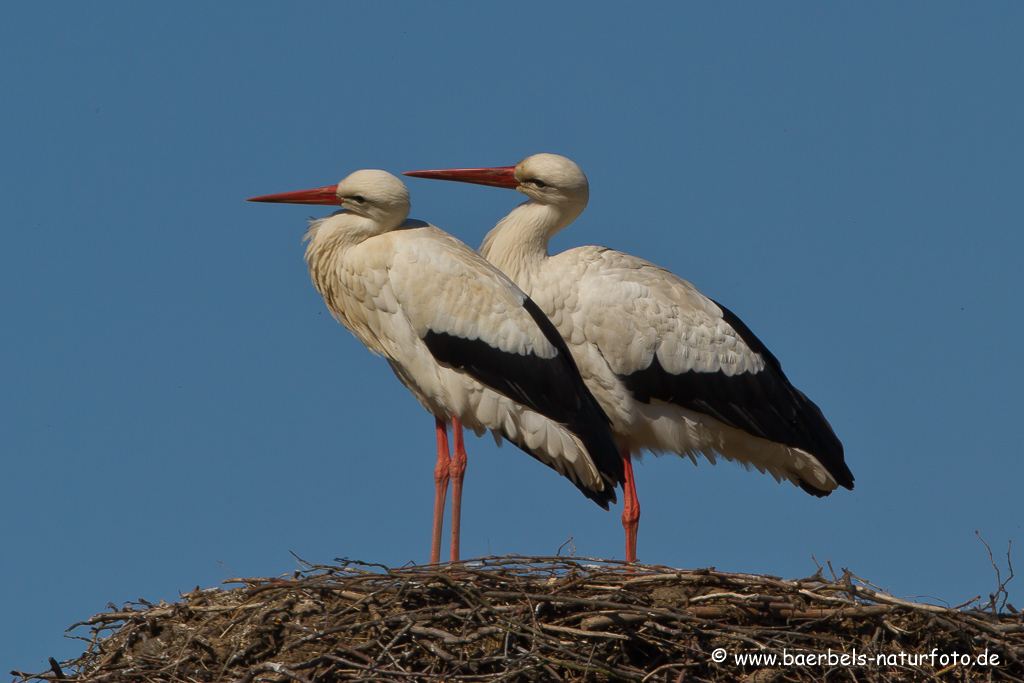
(358, 198)
(537, 182)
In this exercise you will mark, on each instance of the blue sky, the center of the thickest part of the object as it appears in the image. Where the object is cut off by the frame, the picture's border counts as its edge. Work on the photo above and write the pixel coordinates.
(178, 407)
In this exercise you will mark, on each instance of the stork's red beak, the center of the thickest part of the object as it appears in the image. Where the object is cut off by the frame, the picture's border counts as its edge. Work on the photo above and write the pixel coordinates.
(500, 176)
(318, 195)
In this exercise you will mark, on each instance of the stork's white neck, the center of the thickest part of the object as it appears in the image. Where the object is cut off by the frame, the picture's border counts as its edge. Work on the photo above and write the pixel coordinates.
(518, 244)
(330, 238)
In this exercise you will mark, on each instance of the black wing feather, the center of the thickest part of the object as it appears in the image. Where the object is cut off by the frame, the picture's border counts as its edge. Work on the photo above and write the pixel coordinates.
(764, 404)
(551, 387)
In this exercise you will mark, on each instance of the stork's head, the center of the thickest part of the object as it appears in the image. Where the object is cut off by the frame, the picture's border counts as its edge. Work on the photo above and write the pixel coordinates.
(373, 194)
(551, 179)
(545, 178)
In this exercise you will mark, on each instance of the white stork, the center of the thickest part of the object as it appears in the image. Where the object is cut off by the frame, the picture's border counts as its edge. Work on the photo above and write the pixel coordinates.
(675, 371)
(465, 340)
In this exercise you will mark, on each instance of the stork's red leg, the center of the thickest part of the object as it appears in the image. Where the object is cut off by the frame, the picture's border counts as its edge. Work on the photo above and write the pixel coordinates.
(630, 507)
(441, 488)
(458, 473)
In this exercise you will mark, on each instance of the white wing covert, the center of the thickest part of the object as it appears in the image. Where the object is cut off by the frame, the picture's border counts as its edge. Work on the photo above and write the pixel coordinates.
(636, 311)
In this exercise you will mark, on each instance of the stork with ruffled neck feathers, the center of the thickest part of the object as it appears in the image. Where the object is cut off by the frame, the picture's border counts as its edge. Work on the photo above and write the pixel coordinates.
(466, 341)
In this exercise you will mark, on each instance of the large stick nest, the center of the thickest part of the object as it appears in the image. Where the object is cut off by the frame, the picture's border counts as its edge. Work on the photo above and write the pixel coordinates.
(553, 619)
